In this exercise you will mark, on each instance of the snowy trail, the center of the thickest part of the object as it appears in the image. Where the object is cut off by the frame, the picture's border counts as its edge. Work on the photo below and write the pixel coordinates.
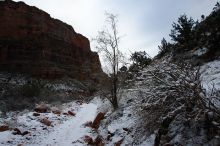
(71, 130)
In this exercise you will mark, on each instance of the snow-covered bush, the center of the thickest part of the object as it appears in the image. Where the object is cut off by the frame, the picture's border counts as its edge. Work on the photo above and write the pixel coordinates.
(174, 89)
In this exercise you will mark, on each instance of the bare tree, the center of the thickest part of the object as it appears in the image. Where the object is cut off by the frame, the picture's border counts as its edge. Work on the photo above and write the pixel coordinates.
(108, 44)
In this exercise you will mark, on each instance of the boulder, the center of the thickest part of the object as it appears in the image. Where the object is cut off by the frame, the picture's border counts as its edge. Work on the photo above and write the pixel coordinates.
(17, 131)
(4, 128)
(71, 113)
(36, 114)
(45, 121)
(65, 114)
(55, 110)
(41, 108)
(25, 133)
(97, 120)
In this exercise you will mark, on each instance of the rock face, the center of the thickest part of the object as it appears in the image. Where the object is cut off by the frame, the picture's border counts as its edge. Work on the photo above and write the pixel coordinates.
(34, 43)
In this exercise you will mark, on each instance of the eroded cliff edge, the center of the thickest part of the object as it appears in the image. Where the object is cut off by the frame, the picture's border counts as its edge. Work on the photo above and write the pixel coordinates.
(34, 43)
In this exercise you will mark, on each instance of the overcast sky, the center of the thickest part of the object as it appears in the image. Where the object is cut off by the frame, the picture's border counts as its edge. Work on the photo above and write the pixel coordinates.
(142, 23)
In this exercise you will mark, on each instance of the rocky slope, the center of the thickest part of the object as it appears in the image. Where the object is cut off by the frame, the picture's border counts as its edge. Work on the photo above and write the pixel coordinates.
(34, 43)
(160, 107)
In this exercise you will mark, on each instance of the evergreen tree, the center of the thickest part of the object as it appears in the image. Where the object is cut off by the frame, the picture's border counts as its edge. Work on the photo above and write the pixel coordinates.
(217, 7)
(164, 47)
(182, 32)
(140, 59)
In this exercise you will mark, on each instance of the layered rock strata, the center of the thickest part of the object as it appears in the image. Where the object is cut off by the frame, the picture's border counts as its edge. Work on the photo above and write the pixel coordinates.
(34, 43)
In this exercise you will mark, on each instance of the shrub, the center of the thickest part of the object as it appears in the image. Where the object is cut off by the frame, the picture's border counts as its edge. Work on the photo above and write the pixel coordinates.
(30, 90)
(176, 89)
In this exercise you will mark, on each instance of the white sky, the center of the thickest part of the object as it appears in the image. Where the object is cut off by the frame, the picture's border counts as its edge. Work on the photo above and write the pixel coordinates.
(143, 23)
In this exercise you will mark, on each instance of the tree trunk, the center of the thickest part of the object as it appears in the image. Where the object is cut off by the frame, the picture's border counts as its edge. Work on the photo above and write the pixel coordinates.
(115, 100)
(115, 61)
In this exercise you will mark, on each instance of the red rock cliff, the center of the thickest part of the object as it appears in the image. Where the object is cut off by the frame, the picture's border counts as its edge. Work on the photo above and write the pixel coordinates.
(32, 42)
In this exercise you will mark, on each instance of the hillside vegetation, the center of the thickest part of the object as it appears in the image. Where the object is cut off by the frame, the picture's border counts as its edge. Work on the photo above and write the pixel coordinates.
(172, 99)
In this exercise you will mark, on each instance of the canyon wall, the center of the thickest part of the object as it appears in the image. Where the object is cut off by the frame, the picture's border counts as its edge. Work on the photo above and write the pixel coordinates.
(34, 43)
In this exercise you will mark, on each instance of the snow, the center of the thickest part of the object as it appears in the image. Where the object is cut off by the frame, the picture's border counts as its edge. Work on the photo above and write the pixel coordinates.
(123, 123)
(63, 87)
(210, 75)
(65, 130)
(149, 141)
(200, 51)
(71, 130)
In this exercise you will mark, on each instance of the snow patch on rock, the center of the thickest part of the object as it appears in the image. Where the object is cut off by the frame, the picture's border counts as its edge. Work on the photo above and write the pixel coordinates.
(210, 75)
